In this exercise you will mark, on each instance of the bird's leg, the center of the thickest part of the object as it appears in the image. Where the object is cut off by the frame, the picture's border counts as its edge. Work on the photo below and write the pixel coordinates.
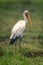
(15, 48)
(20, 42)
(20, 45)
(20, 51)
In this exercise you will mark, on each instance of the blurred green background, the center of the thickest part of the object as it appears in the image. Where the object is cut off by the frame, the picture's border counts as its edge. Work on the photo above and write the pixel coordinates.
(32, 43)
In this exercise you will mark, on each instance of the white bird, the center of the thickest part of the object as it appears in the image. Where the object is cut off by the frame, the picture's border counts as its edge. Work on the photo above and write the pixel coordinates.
(19, 27)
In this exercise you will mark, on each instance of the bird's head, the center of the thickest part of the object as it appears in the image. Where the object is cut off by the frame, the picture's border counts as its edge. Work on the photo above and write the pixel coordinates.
(26, 15)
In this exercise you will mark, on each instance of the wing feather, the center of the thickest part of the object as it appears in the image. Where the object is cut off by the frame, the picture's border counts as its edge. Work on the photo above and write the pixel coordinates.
(17, 30)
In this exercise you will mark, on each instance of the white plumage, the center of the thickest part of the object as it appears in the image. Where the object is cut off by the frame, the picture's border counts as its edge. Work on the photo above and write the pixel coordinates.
(19, 27)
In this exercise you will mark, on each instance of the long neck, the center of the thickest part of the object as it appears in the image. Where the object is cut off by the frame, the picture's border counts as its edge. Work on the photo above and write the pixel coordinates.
(25, 19)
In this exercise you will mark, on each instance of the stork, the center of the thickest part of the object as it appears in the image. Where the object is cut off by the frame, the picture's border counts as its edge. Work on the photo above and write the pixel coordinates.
(19, 27)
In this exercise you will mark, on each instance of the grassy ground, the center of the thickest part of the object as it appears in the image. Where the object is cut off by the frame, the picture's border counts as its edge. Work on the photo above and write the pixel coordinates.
(32, 42)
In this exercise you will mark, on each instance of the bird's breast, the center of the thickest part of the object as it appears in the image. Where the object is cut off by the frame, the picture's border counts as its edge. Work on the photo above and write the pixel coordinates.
(18, 25)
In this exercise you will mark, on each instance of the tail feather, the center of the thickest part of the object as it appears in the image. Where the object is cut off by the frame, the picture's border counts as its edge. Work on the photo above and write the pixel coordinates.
(12, 41)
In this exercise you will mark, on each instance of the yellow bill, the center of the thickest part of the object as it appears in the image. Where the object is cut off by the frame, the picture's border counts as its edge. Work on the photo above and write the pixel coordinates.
(30, 21)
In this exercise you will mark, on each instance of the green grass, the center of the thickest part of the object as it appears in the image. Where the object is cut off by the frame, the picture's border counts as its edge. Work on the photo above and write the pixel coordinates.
(32, 40)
